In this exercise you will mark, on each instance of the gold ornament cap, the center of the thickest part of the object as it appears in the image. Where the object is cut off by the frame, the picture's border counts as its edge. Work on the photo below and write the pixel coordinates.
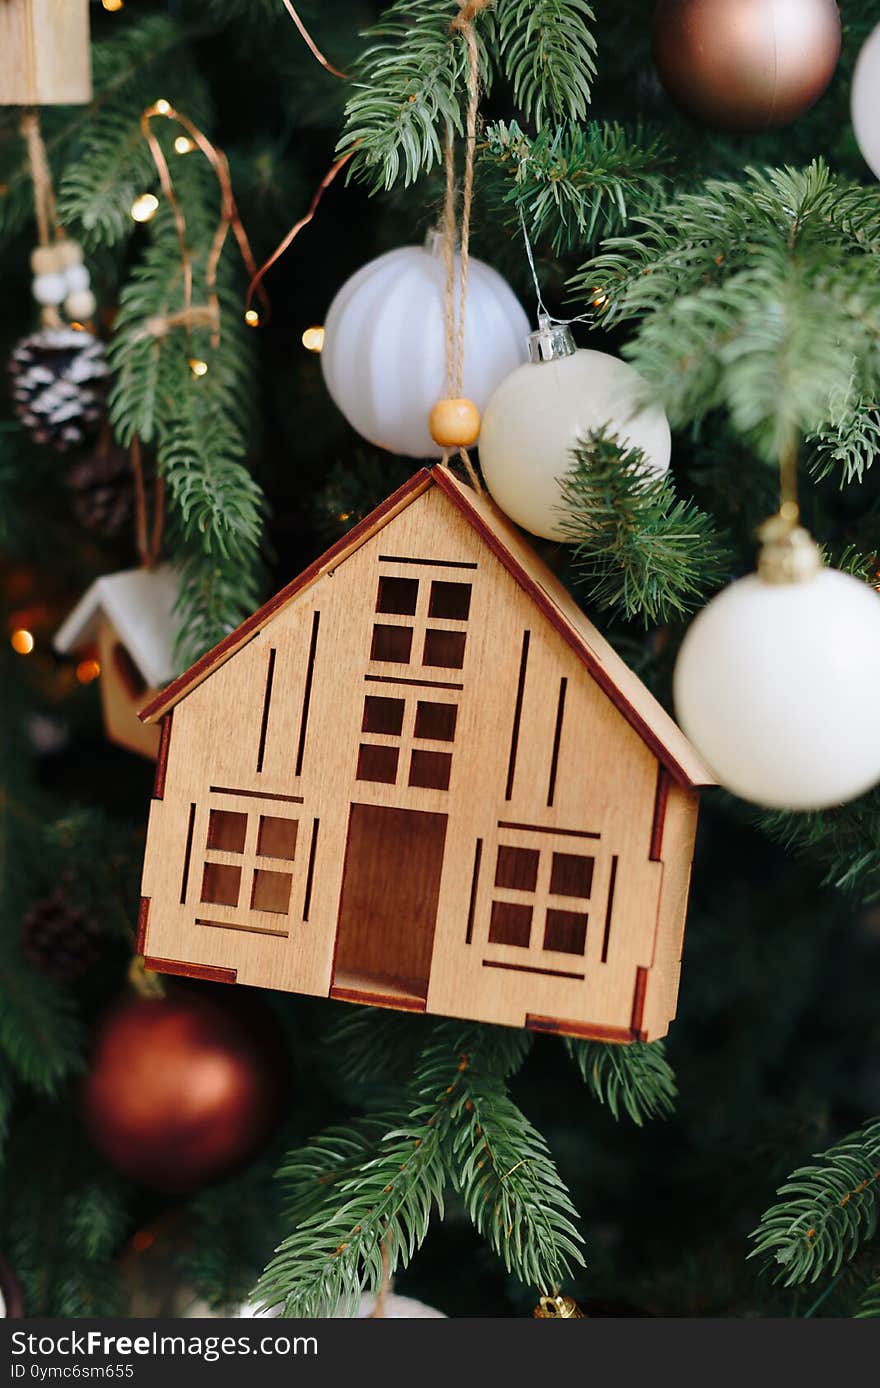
(789, 554)
(558, 1308)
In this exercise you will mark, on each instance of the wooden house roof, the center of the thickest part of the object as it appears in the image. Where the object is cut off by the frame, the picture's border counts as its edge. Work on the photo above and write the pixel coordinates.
(625, 690)
(139, 603)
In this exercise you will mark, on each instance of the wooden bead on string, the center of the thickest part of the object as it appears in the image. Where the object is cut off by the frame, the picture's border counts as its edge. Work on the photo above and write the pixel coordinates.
(455, 423)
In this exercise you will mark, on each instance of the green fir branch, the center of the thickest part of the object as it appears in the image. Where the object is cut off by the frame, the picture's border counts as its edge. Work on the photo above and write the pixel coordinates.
(759, 296)
(844, 841)
(384, 1202)
(500, 1163)
(197, 425)
(850, 442)
(112, 164)
(571, 183)
(828, 1210)
(312, 1175)
(869, 1305)
(365, 1192)
(638, 548)
(636, 1079)
(408, 86)
(547, 52)
(369, 1043)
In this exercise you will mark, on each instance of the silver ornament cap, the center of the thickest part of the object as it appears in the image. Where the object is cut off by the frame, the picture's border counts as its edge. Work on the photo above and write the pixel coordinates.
(551, 341)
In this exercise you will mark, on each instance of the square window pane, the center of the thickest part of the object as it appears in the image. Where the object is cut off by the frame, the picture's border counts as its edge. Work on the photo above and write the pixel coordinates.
(277, 837)
(398, 595)
(382, 715)
(565, 931)
(510, 924)
(392, 644)
(444, 649)
(436, 722)
(377, 763)
(271, 891)
(517, 868)
(572, 875)
(450, 600)
(430, 769)
(227, 830)
(220, 884)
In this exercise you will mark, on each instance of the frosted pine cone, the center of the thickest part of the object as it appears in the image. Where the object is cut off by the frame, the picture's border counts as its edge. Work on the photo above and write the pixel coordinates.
(59, 379)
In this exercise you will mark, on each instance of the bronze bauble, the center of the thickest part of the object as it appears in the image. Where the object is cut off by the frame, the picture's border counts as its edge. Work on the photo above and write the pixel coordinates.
(183, 1090)
(746, 64)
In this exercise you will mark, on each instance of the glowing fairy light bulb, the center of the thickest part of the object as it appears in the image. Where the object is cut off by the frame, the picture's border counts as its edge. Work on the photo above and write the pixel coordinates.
(144, 208)
(313, 339)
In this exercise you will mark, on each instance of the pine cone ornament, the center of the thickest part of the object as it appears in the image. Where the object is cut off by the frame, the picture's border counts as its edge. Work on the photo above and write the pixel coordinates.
(102, 488)
(59, 940)
(58, 384)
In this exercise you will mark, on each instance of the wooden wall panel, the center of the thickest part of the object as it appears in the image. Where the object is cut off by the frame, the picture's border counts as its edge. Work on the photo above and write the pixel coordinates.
(679, 831)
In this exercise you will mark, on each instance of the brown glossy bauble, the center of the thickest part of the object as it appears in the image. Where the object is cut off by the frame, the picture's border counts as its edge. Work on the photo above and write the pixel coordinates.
(746, 64)
(183, 1090)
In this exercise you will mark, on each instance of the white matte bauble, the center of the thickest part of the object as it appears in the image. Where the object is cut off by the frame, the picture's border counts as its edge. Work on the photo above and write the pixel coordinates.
(384, 354)
(777, 687)
(49, 288)
(865, 101)
(540, 413)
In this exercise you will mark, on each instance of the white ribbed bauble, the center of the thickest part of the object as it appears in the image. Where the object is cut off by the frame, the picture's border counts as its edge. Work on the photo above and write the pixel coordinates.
(777, 687)
(384, 359)
(540, 413)
(865, 101)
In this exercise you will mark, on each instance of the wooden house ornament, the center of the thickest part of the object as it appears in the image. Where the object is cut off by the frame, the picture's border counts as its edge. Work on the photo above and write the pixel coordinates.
(127, 620)
(420, 778)
(45, 59)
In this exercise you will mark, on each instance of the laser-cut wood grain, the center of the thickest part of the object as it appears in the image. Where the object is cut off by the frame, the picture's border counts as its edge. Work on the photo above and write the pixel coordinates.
(394, 916)
(44, 53)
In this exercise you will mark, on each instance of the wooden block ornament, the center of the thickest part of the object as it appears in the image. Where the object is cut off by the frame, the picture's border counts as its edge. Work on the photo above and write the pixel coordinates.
(44, 53)
(419, 777)
(128, 620)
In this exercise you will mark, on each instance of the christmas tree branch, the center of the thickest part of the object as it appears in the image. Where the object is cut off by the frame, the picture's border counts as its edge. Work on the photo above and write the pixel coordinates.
(760, 297)
(638, 548)
(501, 1166)
(407, 88)
(844, 840)
(827, 1211)
(196, 423)
(112, 164)
(636, 1079)
(372, 1185)
(547, 50)
(573, 183)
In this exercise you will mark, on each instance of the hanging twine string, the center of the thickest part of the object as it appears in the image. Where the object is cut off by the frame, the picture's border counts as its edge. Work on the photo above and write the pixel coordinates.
(455, 331)
(194, 315)
(310, 42)
(149, 540)
(48, 228)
